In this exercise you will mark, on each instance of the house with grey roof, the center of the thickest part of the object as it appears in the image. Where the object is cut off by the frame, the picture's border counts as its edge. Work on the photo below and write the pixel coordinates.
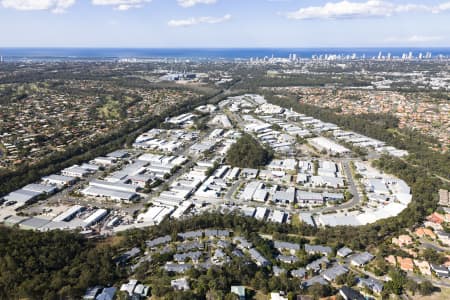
(193, 255)
(242, 243)
(190, 246)
(129, 287)
(219, 257)
(141, 290)
(361, 259)
(350, 294)
(299, 273)
(441, 271)
(107, 294)
(317, 265)
(238, 253)
(344, 252)
(258, 258)
(332, 273)
(180, 284)
(159, 241)
(372, 284)
(277, 271)
(130, 254)
(191, 234)
(92, 292)
(313, 280)
(318, 249)
(280, 246)
(177, 268)
(287, 259)
(214, 233)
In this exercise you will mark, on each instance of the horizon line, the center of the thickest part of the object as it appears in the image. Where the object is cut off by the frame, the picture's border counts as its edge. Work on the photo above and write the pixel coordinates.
(218, 48)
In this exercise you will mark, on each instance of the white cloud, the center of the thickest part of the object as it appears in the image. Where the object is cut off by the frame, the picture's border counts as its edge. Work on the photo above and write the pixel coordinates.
(56, 6)
(190, 3)
(417, 39)
(196, 21)
(121, 4)
(371, 8)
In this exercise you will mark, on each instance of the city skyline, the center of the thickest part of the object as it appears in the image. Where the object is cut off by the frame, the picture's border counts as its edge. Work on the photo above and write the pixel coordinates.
(224, 23)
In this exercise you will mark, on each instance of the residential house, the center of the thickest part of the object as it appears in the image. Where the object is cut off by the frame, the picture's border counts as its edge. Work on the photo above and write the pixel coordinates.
(444, 237)
(193, 255)
(391, 260)
(318, 265)
(177, 268)
(141, 291)
(180, 284)
(191, 235)
(332, 273)
(402, 240)
(292, 247)
(313, 280)
(436, 218)
(441, 271)
(287, 259)
(361, 259)
(129, 287)
(159, 241)
(344, 252)
(372, 284)
(258, 258)
(422, 231)
(239, 291)
(318, 249)
(423, 266)
(299, 273)
(277, 271)
(92, 292)
(406, 264)
(350, 294)
(107, 294)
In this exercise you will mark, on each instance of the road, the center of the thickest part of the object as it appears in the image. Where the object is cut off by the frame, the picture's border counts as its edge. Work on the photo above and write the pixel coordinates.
(432, 245)
(352, 188)
(229, 195)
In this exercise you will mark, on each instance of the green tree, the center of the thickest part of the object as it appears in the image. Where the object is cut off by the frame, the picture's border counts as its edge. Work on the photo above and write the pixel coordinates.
(248, 153)
(426, 288)
(397, 282)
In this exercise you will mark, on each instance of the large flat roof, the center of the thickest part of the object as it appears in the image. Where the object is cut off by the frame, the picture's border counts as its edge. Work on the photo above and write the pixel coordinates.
(102, 192)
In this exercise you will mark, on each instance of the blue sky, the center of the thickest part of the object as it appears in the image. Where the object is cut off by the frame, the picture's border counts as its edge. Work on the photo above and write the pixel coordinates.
(224, 23)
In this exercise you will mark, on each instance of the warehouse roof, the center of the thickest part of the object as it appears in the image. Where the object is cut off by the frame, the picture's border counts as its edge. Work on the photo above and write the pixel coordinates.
(34, 223)
(21, 196)
(59, 178)
(102, 192)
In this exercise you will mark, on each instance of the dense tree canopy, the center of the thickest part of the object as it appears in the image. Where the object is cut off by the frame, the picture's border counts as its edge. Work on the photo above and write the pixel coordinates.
(51, 265)
(248, 153)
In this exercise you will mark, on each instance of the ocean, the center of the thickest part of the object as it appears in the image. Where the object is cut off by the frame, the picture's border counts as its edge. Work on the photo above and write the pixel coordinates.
(58, 54)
